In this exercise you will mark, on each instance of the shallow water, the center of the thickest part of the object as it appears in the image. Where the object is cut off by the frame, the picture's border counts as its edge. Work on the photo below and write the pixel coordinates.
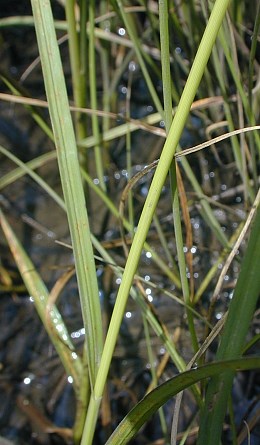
(34, 388)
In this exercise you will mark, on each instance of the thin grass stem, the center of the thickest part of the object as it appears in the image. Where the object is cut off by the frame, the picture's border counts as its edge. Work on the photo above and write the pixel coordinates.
(170, 146)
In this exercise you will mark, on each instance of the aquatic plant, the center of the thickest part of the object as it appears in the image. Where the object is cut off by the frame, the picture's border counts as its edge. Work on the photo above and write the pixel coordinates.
(209, 39)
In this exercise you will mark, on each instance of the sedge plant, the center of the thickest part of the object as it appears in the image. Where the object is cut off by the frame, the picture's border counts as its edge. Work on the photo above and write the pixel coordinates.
(184, 83)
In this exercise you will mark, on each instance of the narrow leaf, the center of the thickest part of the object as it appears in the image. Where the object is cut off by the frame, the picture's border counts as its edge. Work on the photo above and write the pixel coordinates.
(130, 425)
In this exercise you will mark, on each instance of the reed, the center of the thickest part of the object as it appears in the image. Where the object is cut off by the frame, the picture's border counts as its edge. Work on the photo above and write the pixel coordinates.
(193, 63)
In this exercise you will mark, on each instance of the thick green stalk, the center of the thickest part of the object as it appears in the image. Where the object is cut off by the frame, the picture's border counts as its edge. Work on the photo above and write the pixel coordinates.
(169, 149)
(71, 181)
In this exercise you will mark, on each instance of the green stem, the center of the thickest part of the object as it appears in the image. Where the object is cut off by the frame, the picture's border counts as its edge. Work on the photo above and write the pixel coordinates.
(93, 96)
(166, 76)
(78, 85)
(166, 158)
(71, 181)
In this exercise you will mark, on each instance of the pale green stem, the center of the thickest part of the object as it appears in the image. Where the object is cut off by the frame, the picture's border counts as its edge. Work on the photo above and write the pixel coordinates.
(93, 96)
(168, 152)
(71, 181)
(78, 85)
(166, 76)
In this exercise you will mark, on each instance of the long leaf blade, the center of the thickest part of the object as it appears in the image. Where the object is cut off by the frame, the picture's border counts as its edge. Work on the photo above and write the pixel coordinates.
(71, 181)
(130, 425)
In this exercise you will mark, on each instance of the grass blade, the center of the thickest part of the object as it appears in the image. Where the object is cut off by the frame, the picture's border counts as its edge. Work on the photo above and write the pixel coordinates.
(169, 149)
(238, 321)
(156, 398)
(71, 180)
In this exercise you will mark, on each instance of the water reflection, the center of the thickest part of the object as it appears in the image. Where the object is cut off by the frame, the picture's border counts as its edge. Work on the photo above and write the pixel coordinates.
(121, 31)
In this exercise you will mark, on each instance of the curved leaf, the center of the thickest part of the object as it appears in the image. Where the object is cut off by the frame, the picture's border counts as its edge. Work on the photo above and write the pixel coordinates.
(130, 425)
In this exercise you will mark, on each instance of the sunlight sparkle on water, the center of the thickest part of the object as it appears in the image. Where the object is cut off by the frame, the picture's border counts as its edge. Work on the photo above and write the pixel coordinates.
(77, 334)
(27, 380)
(219, 315)
(132, 66)
(123, 89)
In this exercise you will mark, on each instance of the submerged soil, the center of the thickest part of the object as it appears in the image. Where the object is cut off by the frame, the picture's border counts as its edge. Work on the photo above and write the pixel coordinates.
(36, 395)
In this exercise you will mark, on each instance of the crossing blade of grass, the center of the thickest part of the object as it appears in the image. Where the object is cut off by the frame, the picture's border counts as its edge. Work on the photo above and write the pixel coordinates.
(28, 168)
(233, 338)
(18, 92)
(40, 295)
(130, 425)
(169, 149)
(52, 321)
(71, 181)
